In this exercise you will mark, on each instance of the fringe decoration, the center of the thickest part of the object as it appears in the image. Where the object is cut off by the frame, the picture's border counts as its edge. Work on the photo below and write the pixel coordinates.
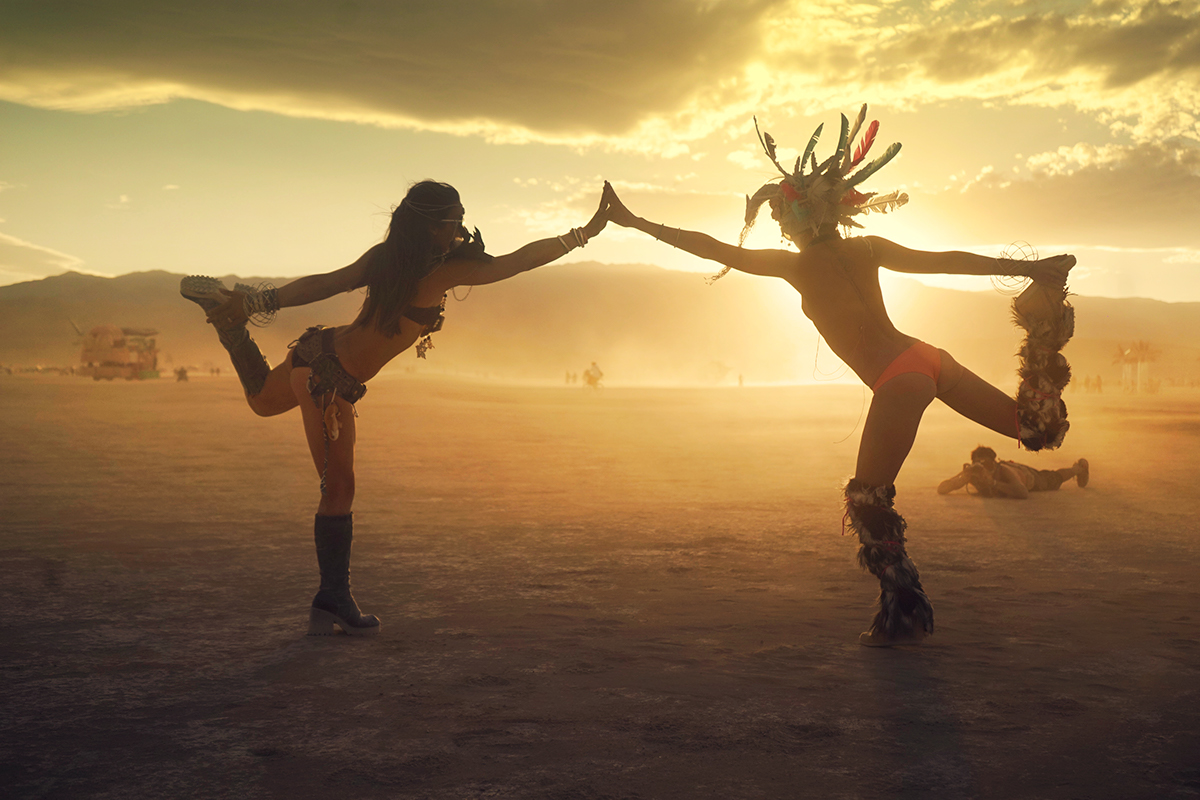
(1044, 372)
(903, 605)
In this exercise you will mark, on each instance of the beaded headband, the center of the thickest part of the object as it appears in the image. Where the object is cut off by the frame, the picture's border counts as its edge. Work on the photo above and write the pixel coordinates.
(430, 211)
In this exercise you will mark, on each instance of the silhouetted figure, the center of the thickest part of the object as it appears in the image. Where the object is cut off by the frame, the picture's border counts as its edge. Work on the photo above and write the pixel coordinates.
(427, 253)
(839, 279)
(992, 478)
(592, 376)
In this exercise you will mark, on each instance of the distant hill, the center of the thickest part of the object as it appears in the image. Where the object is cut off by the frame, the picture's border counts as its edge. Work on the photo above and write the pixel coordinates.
(641, 323)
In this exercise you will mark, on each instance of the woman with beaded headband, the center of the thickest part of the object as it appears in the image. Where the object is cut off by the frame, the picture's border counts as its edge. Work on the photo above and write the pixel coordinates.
(427, 252)
(839, 279)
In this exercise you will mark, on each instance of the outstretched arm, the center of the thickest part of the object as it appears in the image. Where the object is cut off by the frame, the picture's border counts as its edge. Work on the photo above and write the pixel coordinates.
(1051, 271)
(771, 263)
(957, 482)
(299, 292)
(531, 256)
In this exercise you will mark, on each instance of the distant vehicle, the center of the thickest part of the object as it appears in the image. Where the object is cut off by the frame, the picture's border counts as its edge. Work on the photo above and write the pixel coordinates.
(110, 352)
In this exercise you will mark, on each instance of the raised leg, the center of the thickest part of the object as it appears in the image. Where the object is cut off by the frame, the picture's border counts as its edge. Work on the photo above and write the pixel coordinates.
(268, 391)
(975, 398)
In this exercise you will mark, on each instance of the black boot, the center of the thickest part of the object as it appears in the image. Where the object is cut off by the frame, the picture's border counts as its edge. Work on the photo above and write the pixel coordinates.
(248, 361)
(334, 604)
(905, 614)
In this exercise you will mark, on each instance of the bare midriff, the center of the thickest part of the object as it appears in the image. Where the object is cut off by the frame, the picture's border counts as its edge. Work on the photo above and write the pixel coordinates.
(364, 350)
(839, 283)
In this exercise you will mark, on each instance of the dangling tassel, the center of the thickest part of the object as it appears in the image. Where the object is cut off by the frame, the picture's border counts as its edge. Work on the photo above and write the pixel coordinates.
(905, 613)
(1049, 324)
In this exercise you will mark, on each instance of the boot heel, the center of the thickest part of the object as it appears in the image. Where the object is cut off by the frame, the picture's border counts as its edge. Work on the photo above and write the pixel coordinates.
(320, 623)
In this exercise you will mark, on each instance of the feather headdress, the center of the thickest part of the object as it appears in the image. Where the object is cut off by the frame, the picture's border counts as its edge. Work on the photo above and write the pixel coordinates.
(813, 198)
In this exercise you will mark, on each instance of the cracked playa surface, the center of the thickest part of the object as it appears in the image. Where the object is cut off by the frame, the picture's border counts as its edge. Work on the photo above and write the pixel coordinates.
(625, 594)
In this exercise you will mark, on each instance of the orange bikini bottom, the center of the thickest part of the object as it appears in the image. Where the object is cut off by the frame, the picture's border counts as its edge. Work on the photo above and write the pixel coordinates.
(921, 357)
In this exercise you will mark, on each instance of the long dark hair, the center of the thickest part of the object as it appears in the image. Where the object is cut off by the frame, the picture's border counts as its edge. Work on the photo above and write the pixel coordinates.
(408, 254)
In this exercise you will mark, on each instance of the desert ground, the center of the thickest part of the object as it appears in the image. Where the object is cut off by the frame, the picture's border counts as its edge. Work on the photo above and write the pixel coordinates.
(624, 593)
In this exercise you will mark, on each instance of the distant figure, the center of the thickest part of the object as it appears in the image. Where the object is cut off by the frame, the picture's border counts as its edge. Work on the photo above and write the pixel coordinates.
(992, 478)
(568, 378)
(427, 252)
(740, 379)
(181, 375)
(839, 279)
(592, 376)
(1099, 385)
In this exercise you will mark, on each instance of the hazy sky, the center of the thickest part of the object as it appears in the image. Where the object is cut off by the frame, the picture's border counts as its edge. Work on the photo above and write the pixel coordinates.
(272, 138)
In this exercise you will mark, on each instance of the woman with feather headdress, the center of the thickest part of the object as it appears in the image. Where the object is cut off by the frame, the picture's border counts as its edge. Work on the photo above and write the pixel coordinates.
(839, 280)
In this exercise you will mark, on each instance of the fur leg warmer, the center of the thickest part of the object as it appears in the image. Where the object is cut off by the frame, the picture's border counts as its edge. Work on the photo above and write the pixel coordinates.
(904, 608)
(1044, 371)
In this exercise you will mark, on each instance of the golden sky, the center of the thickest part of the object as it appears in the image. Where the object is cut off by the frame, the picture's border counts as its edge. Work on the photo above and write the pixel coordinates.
(271, 138)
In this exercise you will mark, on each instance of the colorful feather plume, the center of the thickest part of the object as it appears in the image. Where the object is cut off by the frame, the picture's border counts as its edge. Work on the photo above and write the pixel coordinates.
(874, 166)
(858, 121)
(868, 139)
(824, 194)
(884, 203)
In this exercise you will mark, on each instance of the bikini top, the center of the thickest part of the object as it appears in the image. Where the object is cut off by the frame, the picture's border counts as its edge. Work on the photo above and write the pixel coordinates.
(428, 317)
(432, 317)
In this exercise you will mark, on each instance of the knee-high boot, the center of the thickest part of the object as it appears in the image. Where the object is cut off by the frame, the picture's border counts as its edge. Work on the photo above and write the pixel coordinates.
(248, 361)
(334, 605)
(905, 612)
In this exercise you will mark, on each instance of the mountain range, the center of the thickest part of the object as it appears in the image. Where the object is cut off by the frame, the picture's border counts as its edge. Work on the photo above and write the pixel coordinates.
(642, 324)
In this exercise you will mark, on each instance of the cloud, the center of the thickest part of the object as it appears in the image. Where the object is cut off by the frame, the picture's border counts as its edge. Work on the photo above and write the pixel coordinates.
(1120, 196)
(21, 260)
(505, 69)
(1183, 257)
(628, 74)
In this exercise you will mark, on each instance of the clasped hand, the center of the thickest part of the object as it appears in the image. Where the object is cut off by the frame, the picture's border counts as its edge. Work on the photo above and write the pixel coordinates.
(231, 313)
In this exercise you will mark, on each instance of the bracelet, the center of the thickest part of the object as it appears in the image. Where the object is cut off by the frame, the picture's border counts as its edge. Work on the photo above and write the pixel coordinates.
(1012, 270)
(580, 236)
(260, 306)
(661, 238)
(566, 247)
